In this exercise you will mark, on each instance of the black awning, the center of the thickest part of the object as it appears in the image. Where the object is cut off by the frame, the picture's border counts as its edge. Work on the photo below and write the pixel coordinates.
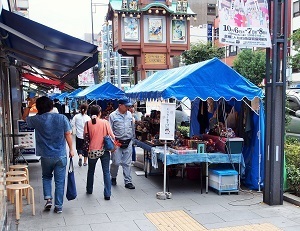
(45, 48)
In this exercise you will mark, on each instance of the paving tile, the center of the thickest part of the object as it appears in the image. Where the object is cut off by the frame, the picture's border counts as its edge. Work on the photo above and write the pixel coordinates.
(277, 221)
(291, 228)
(145, 225)
(86, 219)
(237, 215)
(138, 206)
(70, 228)
(102, 209)
(207, 218)
(116, 226)
(225, 224)
(126, 216)
(211, 208)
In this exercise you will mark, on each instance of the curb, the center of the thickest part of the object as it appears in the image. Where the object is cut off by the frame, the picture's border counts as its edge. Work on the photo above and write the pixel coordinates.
(291, 198)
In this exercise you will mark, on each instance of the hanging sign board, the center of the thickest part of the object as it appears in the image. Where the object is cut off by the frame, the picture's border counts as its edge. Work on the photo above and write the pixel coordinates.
(244, 23)
(167, 121)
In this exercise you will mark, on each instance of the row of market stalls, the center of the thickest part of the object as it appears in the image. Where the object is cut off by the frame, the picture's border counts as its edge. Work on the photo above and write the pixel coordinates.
(209, 81)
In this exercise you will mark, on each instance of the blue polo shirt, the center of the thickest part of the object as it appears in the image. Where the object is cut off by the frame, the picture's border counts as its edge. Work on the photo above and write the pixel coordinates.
(50, 129)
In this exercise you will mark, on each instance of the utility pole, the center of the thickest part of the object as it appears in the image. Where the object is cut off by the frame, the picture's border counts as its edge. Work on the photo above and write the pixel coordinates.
(275, 104)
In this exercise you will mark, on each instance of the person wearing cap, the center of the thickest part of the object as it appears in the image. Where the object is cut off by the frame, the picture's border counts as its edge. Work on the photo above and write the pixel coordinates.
(123, 128)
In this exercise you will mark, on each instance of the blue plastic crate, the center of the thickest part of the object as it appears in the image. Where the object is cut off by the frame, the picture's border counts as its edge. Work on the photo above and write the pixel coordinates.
(223, 180)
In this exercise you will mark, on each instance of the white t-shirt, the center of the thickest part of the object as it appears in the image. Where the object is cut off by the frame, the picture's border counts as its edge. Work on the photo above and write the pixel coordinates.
(78, 122)
(54, 110)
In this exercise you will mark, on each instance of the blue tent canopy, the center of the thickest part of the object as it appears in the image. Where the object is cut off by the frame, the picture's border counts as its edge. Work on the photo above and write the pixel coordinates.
(211, 79)
(73, 93)
(103, 91)
(207, 79)
(61, 97)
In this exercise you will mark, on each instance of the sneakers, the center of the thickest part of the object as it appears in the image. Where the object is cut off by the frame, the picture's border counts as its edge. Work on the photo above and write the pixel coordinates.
(57, 210)
(80, 162)
(113, 181)
(48, 205)
(107, 198)
(129, 186)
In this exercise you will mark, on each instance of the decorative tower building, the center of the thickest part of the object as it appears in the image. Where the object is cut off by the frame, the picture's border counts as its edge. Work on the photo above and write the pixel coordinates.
(151, 31)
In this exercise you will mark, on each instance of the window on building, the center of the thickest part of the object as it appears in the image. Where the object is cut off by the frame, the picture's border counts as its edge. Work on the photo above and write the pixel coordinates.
(296, 9)
(211, 9)
(232, 50)
(216, 33)
(124, 71)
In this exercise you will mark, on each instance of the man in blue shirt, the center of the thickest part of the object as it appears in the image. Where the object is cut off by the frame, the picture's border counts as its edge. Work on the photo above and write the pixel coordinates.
(52, 130)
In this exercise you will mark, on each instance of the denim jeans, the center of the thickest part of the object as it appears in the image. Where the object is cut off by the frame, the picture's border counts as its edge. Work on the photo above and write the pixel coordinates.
(54, 166)
(105, 159)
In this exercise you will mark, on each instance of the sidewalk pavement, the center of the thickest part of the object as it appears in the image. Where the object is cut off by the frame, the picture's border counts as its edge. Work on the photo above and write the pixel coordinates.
(129, 209)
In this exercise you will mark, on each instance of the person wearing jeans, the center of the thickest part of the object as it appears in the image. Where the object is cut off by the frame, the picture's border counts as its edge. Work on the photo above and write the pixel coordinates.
(57, 166)
(97, 129)
(52, 132)
(105, 159)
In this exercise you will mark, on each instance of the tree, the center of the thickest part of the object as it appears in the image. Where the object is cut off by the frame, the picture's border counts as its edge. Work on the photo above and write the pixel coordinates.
(200, 52)
(295, 60)
(251, 65)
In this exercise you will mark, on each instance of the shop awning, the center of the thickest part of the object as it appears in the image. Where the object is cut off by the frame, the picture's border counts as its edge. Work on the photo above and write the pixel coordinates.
(36, 79)
(45, 48)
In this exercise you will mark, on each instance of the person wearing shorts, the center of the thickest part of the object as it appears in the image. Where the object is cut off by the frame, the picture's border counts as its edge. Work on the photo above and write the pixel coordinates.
(78, 122)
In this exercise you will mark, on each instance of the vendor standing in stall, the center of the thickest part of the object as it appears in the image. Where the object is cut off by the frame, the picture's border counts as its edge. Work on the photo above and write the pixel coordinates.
(123, 128)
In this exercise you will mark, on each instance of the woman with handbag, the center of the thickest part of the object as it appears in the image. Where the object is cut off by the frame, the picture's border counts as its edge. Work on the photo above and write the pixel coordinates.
(97, 129)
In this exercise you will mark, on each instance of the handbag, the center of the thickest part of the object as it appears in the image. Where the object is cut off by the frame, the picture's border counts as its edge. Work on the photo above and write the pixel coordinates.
(95, 154)
(109, 144)
(86, 139)
(71, 185)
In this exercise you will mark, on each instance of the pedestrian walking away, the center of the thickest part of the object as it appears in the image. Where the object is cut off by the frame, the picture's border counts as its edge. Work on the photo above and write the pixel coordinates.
(123, 128)
(52, 132)
(78, 122)
(98, 129)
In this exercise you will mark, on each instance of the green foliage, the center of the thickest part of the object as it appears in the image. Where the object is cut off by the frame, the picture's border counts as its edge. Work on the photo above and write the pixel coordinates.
(251, 65)
(200, 52)
(295, 60)
(293, 179)
(184, 130)
(292, 154)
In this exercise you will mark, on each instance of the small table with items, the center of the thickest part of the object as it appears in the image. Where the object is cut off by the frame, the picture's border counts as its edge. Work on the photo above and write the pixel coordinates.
(207, 158)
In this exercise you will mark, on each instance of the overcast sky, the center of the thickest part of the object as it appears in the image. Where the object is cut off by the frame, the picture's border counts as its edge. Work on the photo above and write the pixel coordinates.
(68, 16)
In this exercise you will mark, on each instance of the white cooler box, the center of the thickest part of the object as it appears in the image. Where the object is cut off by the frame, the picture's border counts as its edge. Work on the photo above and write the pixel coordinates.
(223, 180)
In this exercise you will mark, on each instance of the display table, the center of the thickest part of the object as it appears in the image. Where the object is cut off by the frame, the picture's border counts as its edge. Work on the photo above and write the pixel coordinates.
(207, 158)
(153, 154)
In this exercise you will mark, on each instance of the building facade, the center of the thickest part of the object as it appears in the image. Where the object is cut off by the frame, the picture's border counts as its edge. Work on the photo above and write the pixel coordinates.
(150, 31)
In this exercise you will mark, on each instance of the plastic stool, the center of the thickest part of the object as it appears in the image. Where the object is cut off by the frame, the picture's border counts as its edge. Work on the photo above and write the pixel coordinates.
(18, 196)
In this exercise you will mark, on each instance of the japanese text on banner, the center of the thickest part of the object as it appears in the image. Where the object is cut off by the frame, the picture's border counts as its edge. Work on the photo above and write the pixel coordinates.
(244, 23)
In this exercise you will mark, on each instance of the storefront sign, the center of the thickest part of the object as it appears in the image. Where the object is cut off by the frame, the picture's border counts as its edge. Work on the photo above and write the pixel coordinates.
(167, 121)
(155, 58)
(245, 23)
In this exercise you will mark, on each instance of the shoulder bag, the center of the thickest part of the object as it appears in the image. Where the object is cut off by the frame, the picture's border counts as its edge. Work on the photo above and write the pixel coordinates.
(86, 138)
(109, 144)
